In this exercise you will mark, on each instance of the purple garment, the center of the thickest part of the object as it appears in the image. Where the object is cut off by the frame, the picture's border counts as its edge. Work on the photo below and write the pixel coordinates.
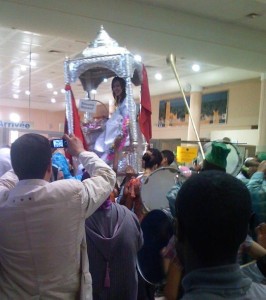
(114, 237)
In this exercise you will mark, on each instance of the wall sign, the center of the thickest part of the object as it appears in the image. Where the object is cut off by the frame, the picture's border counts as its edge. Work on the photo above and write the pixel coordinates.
(87, 105)
(15, 125)
(186, 154)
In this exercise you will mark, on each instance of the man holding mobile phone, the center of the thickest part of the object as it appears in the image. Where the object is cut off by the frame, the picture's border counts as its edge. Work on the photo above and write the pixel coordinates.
(43, 251)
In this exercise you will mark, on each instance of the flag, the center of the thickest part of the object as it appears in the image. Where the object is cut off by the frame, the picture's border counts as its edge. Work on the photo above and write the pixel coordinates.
(145, 112)
(76, 119)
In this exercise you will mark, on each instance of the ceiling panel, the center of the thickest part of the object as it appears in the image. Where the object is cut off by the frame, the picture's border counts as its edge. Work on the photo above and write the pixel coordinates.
(48, 50)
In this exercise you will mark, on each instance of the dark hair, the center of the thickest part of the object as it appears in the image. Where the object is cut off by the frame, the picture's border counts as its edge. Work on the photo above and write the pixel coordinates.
(151, 158)
(169, 155)
(213, 212)
(123, 86)
(31, 156)
(207, 166)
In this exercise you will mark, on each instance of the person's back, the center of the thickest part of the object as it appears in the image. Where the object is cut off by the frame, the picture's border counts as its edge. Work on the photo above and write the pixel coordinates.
(213, 212)
(5, 162)
(42, 236)
(114, 238)
(257, 189)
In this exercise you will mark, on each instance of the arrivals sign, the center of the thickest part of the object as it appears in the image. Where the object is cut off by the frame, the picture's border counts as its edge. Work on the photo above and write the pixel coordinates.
(15, 125)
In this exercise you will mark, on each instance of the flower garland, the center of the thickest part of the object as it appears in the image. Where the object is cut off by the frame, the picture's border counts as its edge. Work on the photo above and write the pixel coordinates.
(123, 135)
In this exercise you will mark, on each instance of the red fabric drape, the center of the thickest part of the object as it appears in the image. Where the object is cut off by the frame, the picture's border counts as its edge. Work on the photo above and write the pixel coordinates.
(145, 113)
(76, 119)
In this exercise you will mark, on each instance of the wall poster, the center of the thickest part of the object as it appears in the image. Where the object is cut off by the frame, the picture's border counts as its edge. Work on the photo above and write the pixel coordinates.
(173, 112)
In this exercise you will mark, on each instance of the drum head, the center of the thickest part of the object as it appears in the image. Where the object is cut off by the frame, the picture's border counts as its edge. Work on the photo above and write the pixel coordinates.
(234, 159)
(157, 230)
(156, 186)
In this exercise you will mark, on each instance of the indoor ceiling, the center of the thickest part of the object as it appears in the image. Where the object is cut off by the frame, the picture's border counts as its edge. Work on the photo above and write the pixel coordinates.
(226, 38)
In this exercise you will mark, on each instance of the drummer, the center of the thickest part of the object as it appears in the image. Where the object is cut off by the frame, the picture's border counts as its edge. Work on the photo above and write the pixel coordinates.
(168, 159)
(216, 159)
(151, 160)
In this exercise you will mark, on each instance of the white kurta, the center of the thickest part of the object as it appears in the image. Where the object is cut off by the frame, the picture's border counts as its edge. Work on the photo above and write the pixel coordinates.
(43, 251)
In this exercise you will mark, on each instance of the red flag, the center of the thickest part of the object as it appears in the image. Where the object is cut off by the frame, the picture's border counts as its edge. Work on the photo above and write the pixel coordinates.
(145, 113)
(76, 120)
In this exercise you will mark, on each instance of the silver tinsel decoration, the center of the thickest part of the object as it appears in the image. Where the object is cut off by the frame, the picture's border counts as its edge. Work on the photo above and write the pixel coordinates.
(103, 58)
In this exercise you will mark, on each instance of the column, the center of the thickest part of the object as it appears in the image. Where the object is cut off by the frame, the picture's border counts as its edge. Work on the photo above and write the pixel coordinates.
(195, 109)
(261, 147)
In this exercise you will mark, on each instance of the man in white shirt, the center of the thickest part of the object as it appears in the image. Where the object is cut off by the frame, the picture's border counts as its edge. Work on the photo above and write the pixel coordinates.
(43, 251)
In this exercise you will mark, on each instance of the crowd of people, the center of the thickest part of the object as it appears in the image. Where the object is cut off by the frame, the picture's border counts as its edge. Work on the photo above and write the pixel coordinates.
(68, 234)
(57, 235)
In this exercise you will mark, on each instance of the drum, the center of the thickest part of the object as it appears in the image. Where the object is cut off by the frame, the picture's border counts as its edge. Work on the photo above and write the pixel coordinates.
(234, 158)
(156, 186)
(157, 225)
(157, 228)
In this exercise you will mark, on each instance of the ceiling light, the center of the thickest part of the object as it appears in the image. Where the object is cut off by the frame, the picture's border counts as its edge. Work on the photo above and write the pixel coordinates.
(158, 76)
(16, 83)
(13, 117)
(33, 55)
(253, 15)
(49, 85)
(53, 100)
(93, 92)
(138, 58)
(63, 91)
(55, 92)
(27, 93)
(33, 63)
(196, 68)
(15, 96)
(55, 51)
(23, 67)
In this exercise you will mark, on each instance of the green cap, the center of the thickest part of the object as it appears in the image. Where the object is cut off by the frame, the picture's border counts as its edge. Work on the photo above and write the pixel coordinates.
(261, 156)
(218, 154)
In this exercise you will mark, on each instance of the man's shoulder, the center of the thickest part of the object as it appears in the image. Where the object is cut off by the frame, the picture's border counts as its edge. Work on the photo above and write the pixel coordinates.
(202, 296)
(122, 210)
(255, 291)
(66, 185)
(40, 188)
(127, 214)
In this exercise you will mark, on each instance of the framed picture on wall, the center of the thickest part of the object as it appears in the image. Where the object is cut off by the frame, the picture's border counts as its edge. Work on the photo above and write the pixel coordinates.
(173, 112)
(214, 108)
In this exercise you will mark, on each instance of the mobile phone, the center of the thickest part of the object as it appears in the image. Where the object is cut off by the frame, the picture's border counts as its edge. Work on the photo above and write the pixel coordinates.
(58, 143)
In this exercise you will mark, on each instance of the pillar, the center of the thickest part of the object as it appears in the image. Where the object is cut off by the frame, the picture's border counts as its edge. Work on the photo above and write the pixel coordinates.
(195, 110)
(261, 146)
